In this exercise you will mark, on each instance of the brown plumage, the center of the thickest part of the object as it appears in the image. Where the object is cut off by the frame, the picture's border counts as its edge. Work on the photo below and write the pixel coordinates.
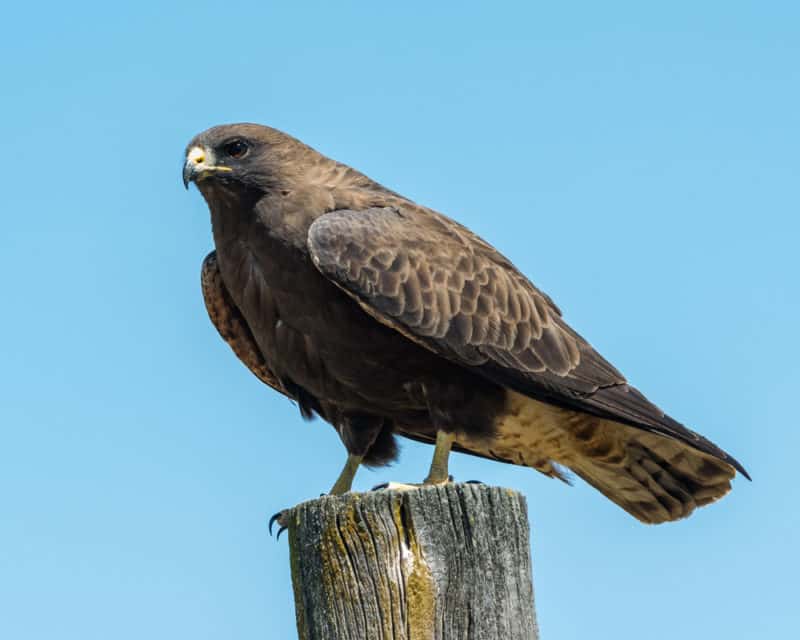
(385, 317)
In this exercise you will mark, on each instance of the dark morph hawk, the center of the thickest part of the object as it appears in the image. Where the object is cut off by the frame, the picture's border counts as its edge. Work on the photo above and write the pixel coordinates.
(384, 317)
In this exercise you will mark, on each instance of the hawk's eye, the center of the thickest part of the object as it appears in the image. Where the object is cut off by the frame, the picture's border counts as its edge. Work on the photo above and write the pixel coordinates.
(236, 148)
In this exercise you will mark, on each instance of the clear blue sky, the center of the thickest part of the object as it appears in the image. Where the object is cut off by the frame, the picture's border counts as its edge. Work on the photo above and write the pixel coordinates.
(639, 163)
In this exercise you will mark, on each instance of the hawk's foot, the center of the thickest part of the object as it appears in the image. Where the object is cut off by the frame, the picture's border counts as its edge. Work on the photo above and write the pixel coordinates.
(406, 486)
(282, 518)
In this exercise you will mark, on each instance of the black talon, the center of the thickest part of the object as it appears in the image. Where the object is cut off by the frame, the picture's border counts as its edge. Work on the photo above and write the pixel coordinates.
(280, 531)
(473, 482)
(378, 487)
(272, 521)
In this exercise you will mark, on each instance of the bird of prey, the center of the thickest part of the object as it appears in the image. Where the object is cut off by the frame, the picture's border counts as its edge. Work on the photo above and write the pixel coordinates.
(387, 318)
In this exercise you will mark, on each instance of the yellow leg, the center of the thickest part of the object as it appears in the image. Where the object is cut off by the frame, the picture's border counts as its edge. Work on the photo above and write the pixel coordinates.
(438, 473)
(345, 480)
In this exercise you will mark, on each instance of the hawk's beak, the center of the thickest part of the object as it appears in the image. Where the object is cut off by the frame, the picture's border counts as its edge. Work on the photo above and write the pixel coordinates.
(188, 173)
(199, 164)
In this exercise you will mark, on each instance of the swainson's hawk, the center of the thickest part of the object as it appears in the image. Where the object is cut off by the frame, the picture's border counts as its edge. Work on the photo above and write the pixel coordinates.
(385, 317)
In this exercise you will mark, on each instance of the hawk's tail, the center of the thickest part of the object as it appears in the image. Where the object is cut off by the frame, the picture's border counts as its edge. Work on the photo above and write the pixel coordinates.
(656, 479)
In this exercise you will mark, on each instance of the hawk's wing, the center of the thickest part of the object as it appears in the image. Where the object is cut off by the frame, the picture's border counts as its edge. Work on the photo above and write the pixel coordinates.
(440, 285)
(231, 325)
(233, 328)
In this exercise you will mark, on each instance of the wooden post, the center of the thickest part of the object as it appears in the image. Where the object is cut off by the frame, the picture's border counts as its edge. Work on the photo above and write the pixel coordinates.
(445, 562)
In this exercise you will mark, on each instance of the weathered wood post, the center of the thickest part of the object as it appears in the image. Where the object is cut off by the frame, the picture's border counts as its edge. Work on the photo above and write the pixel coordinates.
(437, 563)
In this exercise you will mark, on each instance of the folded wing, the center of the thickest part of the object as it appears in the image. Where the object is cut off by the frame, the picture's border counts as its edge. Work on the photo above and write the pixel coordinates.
(440, 285)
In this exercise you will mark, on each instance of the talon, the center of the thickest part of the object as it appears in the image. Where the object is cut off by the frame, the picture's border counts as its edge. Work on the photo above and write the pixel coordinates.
(272, 521)
(280, 531)
(280, 518)
(378, 487)
(473, 482)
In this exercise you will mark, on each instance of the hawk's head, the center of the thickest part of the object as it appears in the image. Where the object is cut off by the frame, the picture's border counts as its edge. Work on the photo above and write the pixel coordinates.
(236, 157)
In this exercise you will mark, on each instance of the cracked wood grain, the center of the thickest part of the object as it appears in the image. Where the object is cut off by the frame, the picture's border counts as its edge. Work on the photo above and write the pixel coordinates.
(438, 563)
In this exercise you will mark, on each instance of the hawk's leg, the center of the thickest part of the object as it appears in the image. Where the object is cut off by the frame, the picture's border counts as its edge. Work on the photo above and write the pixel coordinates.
(344, 482)
(438, 473)
(359, 432)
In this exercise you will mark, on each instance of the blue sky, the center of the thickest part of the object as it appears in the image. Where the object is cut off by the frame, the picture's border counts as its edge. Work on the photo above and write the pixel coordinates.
(639, 163)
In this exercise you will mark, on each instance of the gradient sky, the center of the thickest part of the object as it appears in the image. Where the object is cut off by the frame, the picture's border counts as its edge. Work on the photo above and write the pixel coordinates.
(639, 163)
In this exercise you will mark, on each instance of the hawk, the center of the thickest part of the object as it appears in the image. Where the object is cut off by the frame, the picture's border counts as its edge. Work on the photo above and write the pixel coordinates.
(386, 318)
